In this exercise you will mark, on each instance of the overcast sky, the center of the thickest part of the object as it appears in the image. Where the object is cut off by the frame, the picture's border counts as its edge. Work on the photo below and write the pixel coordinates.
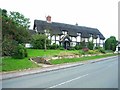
(100, 14)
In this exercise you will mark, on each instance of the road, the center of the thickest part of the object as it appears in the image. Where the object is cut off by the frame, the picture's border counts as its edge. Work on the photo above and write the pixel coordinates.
(103, 74)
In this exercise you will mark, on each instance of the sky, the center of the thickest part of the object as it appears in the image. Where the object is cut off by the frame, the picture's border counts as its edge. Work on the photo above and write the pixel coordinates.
(100, 14)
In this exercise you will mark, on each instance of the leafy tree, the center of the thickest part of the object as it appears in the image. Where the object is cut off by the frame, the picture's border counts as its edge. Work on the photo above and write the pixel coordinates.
(111, 43)
(19, 19)
(38, 41)
(14, 32)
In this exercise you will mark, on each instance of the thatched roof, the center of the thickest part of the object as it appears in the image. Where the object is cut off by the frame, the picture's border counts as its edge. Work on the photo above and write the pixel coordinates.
(57, 28)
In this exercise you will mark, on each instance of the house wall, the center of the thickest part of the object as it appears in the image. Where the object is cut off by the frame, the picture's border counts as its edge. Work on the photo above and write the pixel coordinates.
(73, 39)
(78, 39)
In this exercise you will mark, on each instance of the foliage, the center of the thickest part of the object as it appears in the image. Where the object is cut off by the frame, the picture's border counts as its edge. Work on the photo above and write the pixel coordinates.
(38, 41)
(20, 52)
(8, 46)
(20, 20)
(92, 52)
(101, 50)
(97, 47)
(54, 46)
(111, 43)
(72, 48)
(13, 31)
(78, 47)
(90, 45)
(61, 48)
(81, 52)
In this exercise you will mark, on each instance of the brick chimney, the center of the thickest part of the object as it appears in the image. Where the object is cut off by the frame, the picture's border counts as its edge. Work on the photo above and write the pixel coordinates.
(48, 19)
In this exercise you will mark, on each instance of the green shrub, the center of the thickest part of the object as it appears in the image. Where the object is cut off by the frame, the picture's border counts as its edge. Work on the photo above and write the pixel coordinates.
(101, 50)
(38, 41)
(77, 47)
(81, 52)
(91, 52)
(72, 48)
(20, 52)
(90, 45)
(54, 46)
(98, 47)
(61, 48)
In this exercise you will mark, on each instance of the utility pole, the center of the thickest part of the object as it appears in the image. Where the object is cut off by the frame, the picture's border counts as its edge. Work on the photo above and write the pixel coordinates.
(45, 42)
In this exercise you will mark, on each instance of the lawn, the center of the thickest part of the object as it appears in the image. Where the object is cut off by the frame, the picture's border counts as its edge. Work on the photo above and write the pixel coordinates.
(11, 64)
(36, 52)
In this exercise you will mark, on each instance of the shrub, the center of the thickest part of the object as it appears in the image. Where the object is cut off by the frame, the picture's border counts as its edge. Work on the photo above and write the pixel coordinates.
(38, 41)
(20, 52)
(90, 45)
(91, 52)
(54, 46)
(72, 48)
(61, 48)
(77, 47)
(81, 52)
(8, 46)
(98, 47)
(102, 50)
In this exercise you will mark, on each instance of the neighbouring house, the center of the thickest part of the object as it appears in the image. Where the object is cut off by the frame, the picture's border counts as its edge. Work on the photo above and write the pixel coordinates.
(67, 35)
(118, 47)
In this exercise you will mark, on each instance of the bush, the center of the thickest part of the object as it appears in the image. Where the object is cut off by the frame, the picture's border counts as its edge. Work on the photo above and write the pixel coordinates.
(61, 48)
(91, 52)
(54, 46)
(72, 48)
(81, 52)
(98, 47)
(90, 45)
(20, 52)
(101, 50)
(77, 47)
(8, 46)
(38, 41)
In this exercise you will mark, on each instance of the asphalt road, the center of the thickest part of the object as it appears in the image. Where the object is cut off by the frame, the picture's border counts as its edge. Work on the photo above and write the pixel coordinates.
(103, 74)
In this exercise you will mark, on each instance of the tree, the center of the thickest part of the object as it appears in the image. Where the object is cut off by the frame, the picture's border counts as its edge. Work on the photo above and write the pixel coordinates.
(38, 41)
(111, 43)
(20, 20)
(14, 32)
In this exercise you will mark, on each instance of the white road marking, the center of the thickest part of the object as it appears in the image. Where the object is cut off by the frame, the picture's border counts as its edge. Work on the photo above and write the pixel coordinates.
(68, 81)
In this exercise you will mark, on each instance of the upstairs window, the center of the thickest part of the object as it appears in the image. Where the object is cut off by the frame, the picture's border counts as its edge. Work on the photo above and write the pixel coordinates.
(79, 34)
(64, 32)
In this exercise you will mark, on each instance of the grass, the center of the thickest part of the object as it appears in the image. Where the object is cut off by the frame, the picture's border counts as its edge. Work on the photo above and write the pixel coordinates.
(11, 64)
(66, 60)
(36, 52)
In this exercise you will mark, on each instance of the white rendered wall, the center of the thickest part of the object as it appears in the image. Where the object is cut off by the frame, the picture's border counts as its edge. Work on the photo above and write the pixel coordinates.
(73, 39)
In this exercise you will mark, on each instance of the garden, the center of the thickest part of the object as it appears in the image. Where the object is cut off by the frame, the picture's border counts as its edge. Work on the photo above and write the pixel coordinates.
(16, 57)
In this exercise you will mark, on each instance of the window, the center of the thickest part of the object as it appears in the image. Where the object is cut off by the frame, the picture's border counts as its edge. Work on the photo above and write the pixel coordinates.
(79, 34)
(64, 32)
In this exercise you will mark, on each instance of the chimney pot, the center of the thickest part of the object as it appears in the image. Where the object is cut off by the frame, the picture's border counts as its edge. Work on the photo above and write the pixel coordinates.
(48, 19)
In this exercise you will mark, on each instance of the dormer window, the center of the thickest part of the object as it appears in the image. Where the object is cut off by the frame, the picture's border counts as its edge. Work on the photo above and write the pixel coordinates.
(65, 32)
(79, 34)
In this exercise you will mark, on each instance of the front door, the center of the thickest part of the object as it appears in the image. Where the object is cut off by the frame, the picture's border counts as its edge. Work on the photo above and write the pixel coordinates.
(66, 44)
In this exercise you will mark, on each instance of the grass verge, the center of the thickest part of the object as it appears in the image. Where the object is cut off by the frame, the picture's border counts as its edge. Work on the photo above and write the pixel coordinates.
(66, 60)
(11, 64)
